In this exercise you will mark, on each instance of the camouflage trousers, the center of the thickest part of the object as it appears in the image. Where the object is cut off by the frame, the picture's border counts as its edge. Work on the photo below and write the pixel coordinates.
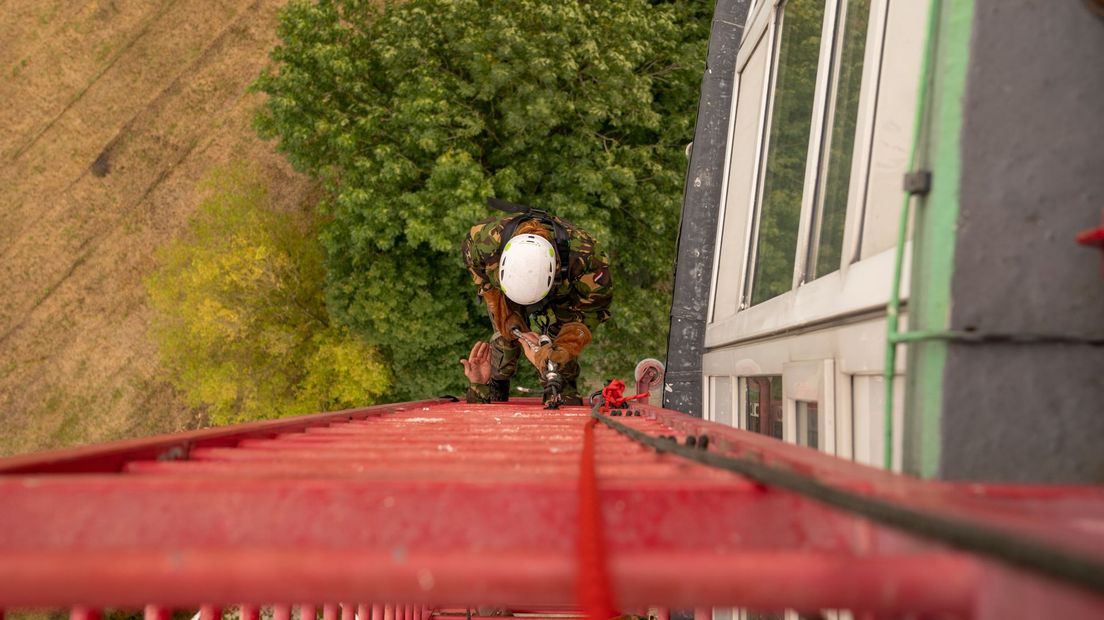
(505, 355)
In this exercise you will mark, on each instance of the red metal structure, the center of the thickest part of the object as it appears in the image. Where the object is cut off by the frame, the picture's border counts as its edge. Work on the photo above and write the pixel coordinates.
(399, 512)
(1094, 237)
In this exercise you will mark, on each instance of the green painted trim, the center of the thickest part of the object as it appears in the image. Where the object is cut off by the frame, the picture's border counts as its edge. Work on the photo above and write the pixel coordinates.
(934, 230)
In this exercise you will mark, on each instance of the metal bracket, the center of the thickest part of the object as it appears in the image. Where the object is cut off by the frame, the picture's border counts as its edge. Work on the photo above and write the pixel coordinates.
(918, 182)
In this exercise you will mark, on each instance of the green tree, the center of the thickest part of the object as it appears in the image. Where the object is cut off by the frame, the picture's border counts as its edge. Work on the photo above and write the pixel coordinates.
(412, 113)
(241, 324)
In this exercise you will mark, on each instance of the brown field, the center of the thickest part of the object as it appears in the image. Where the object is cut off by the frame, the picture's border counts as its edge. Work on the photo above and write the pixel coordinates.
(111, 111)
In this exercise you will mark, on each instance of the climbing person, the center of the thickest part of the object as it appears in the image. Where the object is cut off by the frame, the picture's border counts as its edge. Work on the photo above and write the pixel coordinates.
(547, 287)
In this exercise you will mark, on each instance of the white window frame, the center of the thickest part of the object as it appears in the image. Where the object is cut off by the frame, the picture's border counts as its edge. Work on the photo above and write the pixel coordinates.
(708, 413)
(759, 26)
(815, 149)
(864, 133)
(869, 421)
(777, 30)
(860, 285)
(811, 382)
(863, 138)
(842, 353)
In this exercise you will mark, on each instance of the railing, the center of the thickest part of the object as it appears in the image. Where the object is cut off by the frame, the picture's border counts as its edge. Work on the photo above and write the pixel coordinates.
(438, 506)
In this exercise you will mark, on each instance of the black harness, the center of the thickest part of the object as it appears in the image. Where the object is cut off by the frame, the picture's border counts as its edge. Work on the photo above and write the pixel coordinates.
(559, 233)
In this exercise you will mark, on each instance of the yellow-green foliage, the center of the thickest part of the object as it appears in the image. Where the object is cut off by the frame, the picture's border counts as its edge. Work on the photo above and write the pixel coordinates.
(241, 323)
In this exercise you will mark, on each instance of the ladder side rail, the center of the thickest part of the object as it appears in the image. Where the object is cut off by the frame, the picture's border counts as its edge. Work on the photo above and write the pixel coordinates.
(113, 456)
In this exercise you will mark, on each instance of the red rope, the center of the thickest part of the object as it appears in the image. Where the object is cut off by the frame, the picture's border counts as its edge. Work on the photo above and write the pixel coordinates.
(593, 588)
(613, 395)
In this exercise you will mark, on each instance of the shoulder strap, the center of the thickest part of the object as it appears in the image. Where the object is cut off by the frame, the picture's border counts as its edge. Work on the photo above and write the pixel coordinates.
(563, 248)
(559, 235)
(508, 228)
(508, 207)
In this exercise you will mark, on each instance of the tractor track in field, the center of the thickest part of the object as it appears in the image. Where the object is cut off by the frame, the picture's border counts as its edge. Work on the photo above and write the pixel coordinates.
(105, 175)
(95, 78)
(147, 115)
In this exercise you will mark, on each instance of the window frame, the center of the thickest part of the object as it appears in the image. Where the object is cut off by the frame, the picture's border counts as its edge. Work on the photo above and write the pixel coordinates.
(709, 387)
(810, 382)
(814, 150)
(861, 284)
(832, 356)
(776, 29)
(759, 32)
(861, 142)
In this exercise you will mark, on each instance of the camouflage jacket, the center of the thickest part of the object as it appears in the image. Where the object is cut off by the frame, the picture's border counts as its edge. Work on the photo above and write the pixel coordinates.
(584, 296)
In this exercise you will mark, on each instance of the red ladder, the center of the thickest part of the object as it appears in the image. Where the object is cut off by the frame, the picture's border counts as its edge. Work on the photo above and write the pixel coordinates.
(435, 505)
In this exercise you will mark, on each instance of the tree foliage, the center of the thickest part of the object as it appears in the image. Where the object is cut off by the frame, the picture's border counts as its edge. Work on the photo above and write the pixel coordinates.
(241, 323)
(412, 113)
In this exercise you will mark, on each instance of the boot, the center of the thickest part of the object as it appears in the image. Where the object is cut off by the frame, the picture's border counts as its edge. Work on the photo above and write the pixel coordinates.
(570, 393)
(500, 390)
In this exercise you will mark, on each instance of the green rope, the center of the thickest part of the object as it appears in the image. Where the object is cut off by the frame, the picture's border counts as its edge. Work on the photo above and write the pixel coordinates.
(893, 309)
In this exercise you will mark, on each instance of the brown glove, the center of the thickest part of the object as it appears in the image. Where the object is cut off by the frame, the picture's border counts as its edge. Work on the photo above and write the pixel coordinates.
(566, 347)
(502, 317)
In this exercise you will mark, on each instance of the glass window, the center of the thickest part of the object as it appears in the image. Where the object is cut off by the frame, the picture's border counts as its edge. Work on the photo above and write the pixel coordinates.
(807, 421)
(851, 40)
(788, 148)
(741, 182)
(764, 405)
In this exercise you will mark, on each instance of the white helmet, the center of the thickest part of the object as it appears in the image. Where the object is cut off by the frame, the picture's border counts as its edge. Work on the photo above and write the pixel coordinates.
(527, 268)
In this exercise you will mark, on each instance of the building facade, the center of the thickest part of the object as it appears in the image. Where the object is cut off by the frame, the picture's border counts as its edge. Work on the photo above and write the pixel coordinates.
(864, 162)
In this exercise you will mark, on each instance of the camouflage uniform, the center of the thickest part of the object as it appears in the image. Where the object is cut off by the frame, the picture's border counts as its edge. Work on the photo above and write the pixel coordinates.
(582, 297)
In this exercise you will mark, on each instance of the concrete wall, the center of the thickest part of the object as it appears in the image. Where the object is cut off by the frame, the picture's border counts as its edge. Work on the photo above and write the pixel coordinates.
(1032, 177)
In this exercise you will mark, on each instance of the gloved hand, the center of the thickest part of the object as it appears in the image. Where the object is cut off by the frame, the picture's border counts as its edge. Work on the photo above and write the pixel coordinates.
(530, 344)
(514, 321)
(566, 347)
(503, 317)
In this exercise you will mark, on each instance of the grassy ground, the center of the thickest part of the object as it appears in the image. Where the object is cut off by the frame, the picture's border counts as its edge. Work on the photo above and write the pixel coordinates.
(112, 111)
